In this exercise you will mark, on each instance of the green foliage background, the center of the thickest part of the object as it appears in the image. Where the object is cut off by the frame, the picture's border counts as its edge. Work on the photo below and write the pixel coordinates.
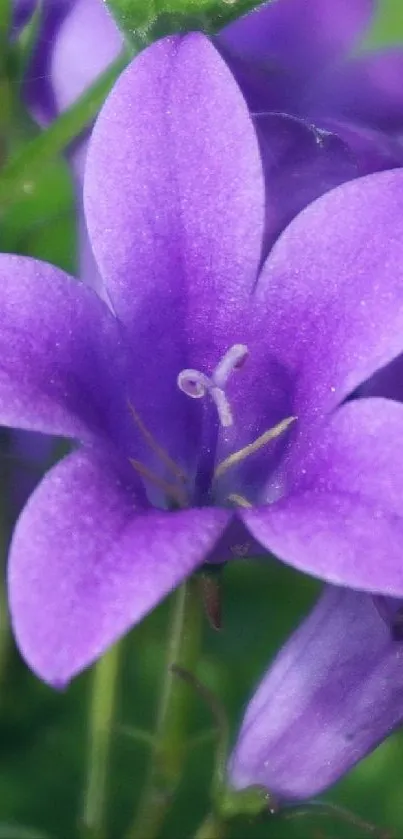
(43, 734)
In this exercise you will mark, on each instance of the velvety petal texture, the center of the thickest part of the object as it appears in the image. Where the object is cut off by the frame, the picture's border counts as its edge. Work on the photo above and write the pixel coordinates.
(342, 517)
(62, 359)
(326, 312)
(178, 240)
(191, 223)
(185, 243)
(333, 693)
(88, 561)
(333, 289)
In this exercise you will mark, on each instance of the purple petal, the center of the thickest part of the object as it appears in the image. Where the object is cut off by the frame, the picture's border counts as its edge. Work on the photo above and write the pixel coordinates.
(87, 563)
(87, 41)
(373, 150)
(332, 694)
(367, 89)
(302, 36)
(60, 351)
(173, 231)
(340, 518)
(300, 163)
(177, 236)
(326, 313)
(387, 382)
(333, 288)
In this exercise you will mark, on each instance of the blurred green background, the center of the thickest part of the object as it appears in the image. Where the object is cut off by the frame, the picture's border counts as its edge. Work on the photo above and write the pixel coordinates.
(43, 734)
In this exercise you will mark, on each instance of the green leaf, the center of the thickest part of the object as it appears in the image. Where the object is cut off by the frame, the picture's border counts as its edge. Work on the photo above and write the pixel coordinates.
(18, 174)
(19, 831)
(143, 21)
(20, 51)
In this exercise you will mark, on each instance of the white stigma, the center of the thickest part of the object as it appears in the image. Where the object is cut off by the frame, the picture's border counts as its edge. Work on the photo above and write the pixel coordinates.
(196, 384)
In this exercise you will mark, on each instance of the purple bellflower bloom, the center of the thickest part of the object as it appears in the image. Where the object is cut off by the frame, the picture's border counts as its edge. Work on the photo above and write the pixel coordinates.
(298, 57)
(333, 693)
(207, 398)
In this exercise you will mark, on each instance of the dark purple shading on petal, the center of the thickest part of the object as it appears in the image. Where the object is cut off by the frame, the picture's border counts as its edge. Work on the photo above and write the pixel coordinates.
(182, 254)
(333, 693)
(372, 149)
(62, 362)
(300, 163)
(387, 382)
(367, 89)
(341, 516)
(29, 455)
(88, 561)
(302, 36)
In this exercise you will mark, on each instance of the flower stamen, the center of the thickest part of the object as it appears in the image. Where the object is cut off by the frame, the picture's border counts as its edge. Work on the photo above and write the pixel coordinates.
(174, 493)
(196, 384)
(156, 448)
(237, 457)
(233, 359)
(239, 500)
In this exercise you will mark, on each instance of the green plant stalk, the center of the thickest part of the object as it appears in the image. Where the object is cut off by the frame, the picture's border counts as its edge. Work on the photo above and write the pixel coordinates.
(101, 724)
(211, 828)
(17, 174)
(169, 752)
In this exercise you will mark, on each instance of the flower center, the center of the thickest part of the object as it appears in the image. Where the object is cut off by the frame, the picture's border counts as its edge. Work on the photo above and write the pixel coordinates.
(178, 489)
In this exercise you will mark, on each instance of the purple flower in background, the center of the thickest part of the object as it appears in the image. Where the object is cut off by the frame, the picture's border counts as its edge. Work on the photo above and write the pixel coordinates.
(78, 39)
(333, 693)
(322, 117)
(296, 57)
(206, 398)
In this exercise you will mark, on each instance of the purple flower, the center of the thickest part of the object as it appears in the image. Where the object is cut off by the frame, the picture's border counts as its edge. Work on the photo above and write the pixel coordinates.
(78, 39)
(287, 57)
(206, 399)
(322, 116)
(332, 694)
(295, 57)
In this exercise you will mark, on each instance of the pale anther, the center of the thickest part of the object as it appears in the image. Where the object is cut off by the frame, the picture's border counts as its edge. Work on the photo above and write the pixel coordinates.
(239, 500)
(196, 384)
(193, 383)
(233, 359)
(237, 457)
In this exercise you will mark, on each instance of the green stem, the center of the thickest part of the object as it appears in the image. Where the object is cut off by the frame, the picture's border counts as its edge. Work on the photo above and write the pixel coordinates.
(5, 634)
(36, 154)
(103, 700)
(211, 828)
(169, 752)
